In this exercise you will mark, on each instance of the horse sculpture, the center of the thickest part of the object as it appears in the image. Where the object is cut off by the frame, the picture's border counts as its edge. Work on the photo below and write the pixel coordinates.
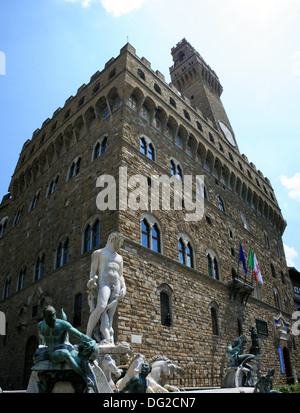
(108, 365)
(134, 368)
(162, 369)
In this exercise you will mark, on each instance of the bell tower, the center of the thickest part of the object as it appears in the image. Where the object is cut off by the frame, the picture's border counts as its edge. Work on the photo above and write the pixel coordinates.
(196, 81)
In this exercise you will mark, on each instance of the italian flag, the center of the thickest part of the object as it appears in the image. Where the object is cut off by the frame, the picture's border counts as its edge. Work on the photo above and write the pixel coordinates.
(254, 264)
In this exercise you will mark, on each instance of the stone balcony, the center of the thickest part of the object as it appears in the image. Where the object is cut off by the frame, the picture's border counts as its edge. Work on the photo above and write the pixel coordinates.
(240, 287)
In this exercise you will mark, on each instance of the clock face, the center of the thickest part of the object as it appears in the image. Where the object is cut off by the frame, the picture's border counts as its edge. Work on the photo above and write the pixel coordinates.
(227, 133)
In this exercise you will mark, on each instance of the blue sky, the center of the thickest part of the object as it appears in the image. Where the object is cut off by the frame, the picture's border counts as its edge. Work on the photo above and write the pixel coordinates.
(49, 48)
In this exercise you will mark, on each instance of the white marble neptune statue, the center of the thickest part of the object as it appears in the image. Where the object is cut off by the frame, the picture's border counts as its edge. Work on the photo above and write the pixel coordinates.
(106, 287)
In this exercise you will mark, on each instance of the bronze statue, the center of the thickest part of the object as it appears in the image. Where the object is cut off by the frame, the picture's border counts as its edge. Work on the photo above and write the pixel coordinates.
(265, 383)
(54, 334)
(138, 384)
(254, 349)
(235, 353)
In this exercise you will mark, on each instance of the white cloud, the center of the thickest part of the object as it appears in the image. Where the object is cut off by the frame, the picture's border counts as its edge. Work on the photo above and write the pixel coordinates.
(116, 7)
(85, 3)
(293, 184)
(291, 254)
(119, 7)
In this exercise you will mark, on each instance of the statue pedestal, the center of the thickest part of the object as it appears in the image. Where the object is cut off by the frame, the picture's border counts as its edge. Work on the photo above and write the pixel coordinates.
(229, 380)
(47, 377)
(242, 376)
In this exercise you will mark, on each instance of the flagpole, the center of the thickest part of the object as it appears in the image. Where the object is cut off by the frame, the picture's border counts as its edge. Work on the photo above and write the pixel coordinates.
(252, 269)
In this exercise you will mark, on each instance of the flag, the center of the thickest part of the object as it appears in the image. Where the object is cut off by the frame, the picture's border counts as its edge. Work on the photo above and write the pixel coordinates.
(242, 258)
(257, 272)
(251, 259)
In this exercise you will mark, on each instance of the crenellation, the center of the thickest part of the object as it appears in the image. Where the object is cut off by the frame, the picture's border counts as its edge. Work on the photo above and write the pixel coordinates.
(146, 62)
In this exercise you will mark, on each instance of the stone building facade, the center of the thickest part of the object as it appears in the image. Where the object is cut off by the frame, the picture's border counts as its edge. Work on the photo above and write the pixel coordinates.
(187, 295)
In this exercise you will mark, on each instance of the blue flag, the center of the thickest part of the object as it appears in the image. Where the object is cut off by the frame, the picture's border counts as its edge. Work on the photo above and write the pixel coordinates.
(242, 258)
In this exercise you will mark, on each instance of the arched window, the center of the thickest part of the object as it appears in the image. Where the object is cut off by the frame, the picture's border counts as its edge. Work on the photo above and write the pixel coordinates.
(18, 217)
(87, 239)
(181, 248)
(179, 173)
(155, 238)
(62, 253)
(21, 279)
(96, 234)
(213, 266)
(150, 234)
(100, 148)
(97, 151)
(245, 223)
(165, 297)
(6, 289)
(277, 299)
(143, 146)
(91, 238)
(215, 269)
(221, 204)
(173, 167)
(3, 225)
(267, 241)
(74, 168)
(151, 152)
(39, 268)
(34, 201)
(52, 186)
(189, 256)
(209, 265)
(277, 249)
(287, 304)
(214, 321)
(176, 169)
(186, 254)
(165, 309)
(273, 272)
(147, 148)
(145, 234)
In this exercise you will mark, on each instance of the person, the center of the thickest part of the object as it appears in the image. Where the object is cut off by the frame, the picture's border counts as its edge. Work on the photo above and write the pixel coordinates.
(107, 273)
(139, 383)
(54, 334)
